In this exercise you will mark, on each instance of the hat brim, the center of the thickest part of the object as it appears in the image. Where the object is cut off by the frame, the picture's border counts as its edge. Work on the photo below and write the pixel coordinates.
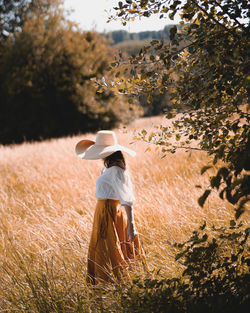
(89, 151)
(83, 145)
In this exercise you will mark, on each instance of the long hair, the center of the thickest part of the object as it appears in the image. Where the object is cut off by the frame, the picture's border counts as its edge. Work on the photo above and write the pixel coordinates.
(115, 159)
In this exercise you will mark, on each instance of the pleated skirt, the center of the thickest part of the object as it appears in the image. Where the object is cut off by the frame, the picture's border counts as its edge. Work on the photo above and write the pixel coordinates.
(110, 255)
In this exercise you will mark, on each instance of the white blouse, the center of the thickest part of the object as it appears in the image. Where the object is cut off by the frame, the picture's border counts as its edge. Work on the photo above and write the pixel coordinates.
(115, 183)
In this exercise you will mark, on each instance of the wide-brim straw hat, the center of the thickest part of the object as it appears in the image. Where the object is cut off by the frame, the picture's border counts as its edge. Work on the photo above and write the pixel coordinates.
(105, 144)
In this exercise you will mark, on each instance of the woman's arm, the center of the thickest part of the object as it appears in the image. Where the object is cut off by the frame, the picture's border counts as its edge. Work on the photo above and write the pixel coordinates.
(122, 185)
(132, 233)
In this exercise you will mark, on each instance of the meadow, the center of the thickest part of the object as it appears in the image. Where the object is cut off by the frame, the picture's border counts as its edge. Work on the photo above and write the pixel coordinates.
(47, 204)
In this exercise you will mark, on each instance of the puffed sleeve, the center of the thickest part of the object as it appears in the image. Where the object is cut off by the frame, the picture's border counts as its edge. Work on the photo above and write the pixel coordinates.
(122, 185)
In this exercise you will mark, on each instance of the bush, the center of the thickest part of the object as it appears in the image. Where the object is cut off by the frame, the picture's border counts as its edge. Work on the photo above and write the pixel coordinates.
(46, 88)
(215, 277)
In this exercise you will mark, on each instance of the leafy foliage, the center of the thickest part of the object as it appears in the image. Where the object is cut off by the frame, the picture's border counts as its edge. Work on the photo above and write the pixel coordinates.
(130, 44)
(13, 14)
(204, 68)
(214, 279)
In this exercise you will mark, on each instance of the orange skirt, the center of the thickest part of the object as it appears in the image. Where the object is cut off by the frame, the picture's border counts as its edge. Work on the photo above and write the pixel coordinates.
(110, 254)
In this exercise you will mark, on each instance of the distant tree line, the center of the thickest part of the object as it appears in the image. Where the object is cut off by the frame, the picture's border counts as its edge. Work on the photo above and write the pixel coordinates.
(46, 71)
(119, 36)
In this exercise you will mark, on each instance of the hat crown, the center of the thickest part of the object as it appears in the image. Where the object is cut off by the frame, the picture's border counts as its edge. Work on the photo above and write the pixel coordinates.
(106, 138)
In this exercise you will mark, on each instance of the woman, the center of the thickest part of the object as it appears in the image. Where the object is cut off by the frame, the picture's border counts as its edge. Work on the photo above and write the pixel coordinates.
(114, 241)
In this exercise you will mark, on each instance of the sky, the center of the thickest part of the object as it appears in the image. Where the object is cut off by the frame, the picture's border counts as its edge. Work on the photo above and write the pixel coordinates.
(91, 15)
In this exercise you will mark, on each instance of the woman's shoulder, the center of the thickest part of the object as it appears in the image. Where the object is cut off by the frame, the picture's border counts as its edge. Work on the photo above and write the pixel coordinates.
(117, 171)
(122, 174)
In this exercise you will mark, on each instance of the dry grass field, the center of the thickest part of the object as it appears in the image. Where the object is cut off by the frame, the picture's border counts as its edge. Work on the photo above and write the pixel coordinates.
(46, 209)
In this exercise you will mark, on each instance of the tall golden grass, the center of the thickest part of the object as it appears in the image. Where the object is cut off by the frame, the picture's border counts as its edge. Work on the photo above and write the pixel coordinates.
(47, 204)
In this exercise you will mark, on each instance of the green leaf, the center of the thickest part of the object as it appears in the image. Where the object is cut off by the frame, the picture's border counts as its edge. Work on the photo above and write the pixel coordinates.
(177, 137)
(171, 16)
(234, 257)
(179, 255)
(205, 168)
(203, 198)
(232, 223)
(239, 212)
(224, 172)
(215, 181)
(203, 226)
(194, 26)
(169, 115)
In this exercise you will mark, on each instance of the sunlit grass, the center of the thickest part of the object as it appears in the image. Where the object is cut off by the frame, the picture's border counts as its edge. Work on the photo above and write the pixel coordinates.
(47, 204)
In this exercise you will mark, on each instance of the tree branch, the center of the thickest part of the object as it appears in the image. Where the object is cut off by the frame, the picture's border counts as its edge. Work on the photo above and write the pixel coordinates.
(207, 14)
(192, 148)
(233, 18)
